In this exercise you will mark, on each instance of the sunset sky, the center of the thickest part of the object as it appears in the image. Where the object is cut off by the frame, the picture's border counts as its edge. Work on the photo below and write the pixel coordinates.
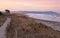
(31, 5)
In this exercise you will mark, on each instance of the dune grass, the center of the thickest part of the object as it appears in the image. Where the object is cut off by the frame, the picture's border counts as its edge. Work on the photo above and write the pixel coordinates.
(2, 19)
(22, 26)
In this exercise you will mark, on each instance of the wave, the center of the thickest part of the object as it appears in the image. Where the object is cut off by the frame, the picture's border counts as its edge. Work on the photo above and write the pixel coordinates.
(45, 17)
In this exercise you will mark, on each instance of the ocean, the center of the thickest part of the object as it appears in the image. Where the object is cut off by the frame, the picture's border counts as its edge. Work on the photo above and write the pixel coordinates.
(49, 17)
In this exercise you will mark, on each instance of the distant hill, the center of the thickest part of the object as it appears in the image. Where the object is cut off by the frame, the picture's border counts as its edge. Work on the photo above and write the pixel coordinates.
(38, 12)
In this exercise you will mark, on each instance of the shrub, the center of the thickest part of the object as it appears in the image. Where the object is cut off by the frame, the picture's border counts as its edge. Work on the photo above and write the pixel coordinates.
(7, 11)
(1, 13)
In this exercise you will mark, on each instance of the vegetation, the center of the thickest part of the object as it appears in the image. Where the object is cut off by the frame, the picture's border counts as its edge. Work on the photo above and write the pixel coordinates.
(1, 13)
(24, 27)
(7, 11)
(2, 19)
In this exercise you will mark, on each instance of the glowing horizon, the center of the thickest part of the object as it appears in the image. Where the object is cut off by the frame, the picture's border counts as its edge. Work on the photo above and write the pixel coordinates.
(31, 5)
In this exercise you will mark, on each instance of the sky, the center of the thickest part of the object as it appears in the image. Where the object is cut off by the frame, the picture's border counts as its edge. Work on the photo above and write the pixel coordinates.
(30, 5)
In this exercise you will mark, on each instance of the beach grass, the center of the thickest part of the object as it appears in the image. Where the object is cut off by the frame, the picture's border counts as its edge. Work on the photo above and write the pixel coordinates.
(2, 20)
(22, 26)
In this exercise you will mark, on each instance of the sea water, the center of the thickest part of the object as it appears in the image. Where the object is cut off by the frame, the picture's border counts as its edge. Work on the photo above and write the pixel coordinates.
(49, 17)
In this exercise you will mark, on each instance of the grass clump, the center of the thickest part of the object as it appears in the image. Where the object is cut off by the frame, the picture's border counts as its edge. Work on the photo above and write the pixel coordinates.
(2, 19)
(26, 27)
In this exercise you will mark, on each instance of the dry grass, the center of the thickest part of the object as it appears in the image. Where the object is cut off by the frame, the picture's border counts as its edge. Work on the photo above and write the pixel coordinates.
(2, 19)
(28, 28)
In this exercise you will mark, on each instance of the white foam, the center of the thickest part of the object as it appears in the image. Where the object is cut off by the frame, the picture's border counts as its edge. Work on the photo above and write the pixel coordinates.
(45, 17)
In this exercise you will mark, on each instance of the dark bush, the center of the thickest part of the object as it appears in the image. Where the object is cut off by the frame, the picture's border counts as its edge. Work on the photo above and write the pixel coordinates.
(1, 13)
(7, 11)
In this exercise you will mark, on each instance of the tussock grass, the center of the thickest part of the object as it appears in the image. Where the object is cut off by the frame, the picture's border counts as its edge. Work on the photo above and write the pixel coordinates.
(27, 28)
(2, 19)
